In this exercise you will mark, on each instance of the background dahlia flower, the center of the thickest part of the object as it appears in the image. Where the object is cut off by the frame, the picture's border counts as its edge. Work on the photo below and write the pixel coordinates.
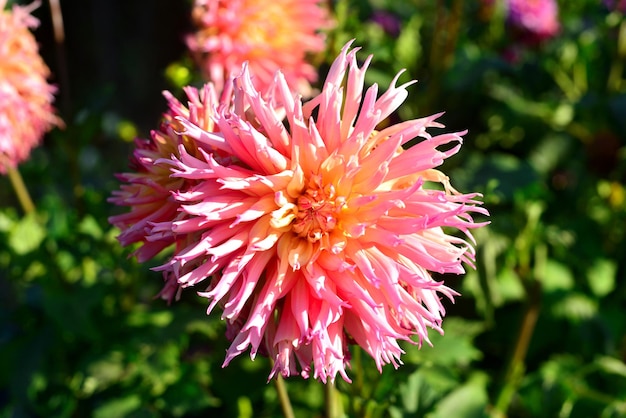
(268, 34)
(535, 20)
(26, 112)
(313, 232)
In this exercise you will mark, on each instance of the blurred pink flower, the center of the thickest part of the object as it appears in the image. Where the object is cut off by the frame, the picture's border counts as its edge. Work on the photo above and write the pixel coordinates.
(26, 112)
(268, 34)
(310, 228)
(535, 20)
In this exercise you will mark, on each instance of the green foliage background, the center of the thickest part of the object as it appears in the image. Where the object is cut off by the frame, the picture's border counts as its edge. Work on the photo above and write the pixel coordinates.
(540, 328)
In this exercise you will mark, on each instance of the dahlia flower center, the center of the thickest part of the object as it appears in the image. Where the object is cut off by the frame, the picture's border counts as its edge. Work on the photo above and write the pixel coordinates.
(316, 213)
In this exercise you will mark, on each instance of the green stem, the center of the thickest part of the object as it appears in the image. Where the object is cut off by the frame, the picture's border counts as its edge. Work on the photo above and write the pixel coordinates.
(333, 401)
(62, 73)
(357, 386)
(515, 366)
(20, 189)
(59, 38)
(283, 397)
(442, 47)
(614, 82)
(438, 41)
(454, 26)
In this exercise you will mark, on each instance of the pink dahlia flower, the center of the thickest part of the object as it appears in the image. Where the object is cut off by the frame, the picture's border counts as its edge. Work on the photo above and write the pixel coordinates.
(268, 34)
(149, 189)
(311, 229)
(26, 112)
(535, 20)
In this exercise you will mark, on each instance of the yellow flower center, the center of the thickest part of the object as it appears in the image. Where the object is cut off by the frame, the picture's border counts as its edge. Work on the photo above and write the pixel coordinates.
(316, 213)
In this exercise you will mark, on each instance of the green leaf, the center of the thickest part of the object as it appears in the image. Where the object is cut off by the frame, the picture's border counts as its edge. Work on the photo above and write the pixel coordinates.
(410, 392)
(5, 222)
(548, 153)
(118, 407)
(424, 387)
(468, 401)
(514, 99)
(601, 277)
(89, 226)
(455, 347)
(556, 276)
(509, 287)
(513, 175)
(159, 319)
(575, 307)
(558, 369)
(408, 48)
(187, 396)
(26, 235)
(563, 115)
(104, 372)
(611, 365)
(244, 406)
(161, 368)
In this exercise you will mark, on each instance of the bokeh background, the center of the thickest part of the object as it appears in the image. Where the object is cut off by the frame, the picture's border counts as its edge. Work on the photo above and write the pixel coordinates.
(540, 328)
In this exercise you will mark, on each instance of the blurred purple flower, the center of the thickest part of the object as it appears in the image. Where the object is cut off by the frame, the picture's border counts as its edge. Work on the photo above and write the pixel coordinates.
(616, 5)
(389, 22)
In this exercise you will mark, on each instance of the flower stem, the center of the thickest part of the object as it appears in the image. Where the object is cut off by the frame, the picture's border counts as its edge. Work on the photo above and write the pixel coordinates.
(515, 367)
(333, 401)
(443, 45)
(617, 67)
(62, 73)
(20, 190)
(59, 38)
(357, 387)
(283, 397)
